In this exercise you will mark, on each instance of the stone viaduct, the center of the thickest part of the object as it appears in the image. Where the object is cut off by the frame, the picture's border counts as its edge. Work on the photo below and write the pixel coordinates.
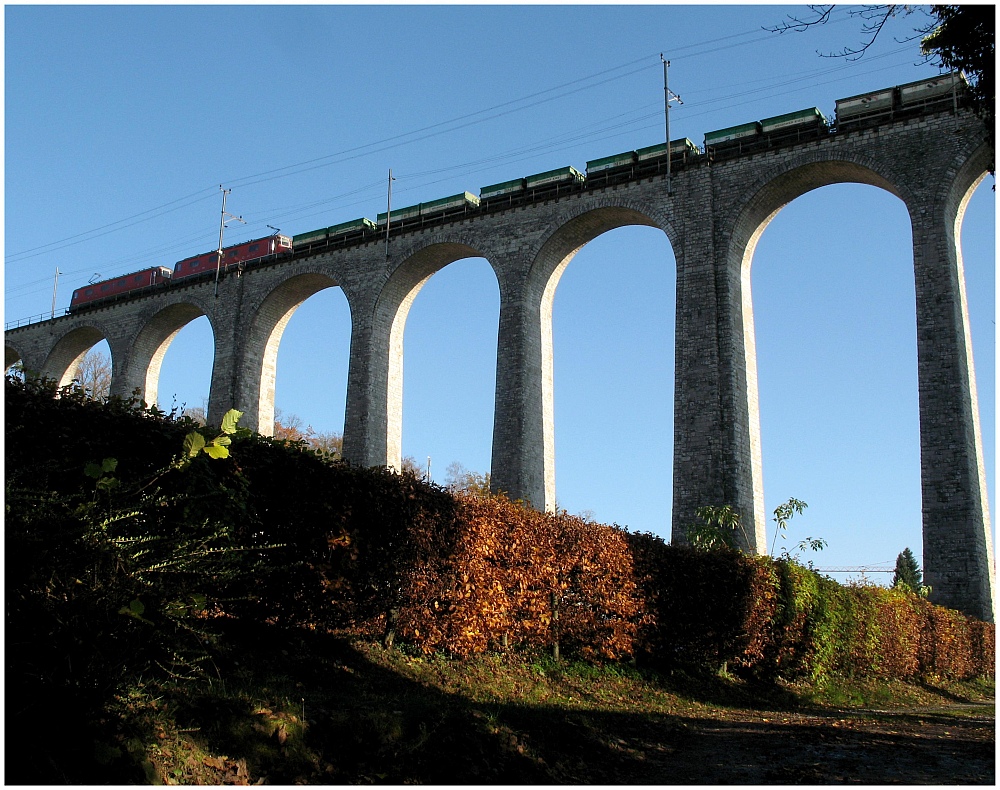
(713, 218)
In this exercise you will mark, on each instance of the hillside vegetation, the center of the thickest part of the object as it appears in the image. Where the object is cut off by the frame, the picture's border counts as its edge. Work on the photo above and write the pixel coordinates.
(202, 605)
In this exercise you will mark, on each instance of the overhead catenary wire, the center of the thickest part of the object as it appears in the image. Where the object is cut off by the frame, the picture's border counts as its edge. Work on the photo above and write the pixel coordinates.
(109, 228)
(208, 192)
(706, 105)
(417, 180)
(592, 131)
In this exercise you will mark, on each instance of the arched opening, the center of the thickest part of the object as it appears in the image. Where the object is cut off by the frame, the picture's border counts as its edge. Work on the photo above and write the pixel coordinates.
(836, 358)
(310, 373)
(179, 376)
(613, 360)
(86, 355)
(93, 371)
(450, 361)
(64, 361)
(978, 247)
(11, 356)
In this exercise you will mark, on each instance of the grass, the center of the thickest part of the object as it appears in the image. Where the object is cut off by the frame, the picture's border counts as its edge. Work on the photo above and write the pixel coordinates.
(305, 707)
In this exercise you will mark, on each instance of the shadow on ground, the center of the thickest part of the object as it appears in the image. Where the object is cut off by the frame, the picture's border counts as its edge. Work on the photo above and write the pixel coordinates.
(366, 723)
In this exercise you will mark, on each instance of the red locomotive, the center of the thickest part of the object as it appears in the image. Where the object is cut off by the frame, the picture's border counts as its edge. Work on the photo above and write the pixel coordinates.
(231, 256)
(147, 278)
(160, 276)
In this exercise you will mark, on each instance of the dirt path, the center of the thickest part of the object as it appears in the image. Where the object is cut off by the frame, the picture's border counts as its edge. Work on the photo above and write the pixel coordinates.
(943, 745)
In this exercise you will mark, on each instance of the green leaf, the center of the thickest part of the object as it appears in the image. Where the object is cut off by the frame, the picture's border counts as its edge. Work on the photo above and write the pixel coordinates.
(222, 441)
(193, 443)
(217, 451)
(229, 422)
(135, 609)
(93, 470)
(109, 464)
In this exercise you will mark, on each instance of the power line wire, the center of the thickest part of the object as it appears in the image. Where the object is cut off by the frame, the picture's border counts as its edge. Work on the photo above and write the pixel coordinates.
(516, 155)
(311, 164)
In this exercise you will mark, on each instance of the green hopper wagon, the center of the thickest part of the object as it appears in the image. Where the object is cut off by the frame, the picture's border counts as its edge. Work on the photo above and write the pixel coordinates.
(732, 133)
(809, 118)
(559, 176)
(503, 188)
(610, 162)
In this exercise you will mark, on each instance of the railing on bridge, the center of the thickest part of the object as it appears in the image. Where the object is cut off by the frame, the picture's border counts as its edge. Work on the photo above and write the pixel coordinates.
(35, 319)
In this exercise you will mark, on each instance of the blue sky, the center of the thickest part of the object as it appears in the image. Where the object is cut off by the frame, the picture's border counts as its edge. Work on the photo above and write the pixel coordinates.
(121, 122)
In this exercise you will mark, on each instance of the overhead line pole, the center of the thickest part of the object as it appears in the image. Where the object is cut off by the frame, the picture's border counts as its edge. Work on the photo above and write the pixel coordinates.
(388, 214)
(668, 95)
(55, 289)
(222, 228)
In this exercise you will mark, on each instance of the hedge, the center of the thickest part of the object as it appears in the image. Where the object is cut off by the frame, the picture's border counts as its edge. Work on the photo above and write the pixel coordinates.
(517, 577)
(618, 595)
(328, 545)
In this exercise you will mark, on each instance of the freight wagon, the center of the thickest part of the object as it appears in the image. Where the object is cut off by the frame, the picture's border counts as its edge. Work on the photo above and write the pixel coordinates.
(641, 162)
(947, 91)
(562, 175)
(503, 188)
(791, 127)
(682, 149)
(344, 231)
(434, 209)
(519, 190)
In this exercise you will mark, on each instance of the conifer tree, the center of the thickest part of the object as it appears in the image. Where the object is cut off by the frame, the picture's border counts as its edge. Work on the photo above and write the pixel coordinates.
(907, 571)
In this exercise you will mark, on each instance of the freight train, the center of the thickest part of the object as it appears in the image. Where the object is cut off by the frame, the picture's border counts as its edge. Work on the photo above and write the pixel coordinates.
(946, 91)
(854, 112)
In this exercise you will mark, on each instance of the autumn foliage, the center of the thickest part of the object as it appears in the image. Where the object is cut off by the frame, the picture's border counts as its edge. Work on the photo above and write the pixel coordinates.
(515, 577)
(325, 545)
(502, 576)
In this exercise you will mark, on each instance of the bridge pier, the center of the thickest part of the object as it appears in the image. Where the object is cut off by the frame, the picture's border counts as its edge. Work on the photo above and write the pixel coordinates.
(365, 422)
(958, 552)
(523, 463)
(717, 456)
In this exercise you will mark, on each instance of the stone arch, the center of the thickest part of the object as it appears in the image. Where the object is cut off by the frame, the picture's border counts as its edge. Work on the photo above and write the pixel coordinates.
(571, 233)
(766, 197)
(393, 304)
(62, 361)
(777, 188)
(147, 351)
(11, 355)
(969, 173)
(260, 352)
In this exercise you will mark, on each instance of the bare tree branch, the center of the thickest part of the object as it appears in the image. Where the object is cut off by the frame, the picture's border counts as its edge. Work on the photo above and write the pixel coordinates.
(874, 17)
(94, 375)
(801, 25)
